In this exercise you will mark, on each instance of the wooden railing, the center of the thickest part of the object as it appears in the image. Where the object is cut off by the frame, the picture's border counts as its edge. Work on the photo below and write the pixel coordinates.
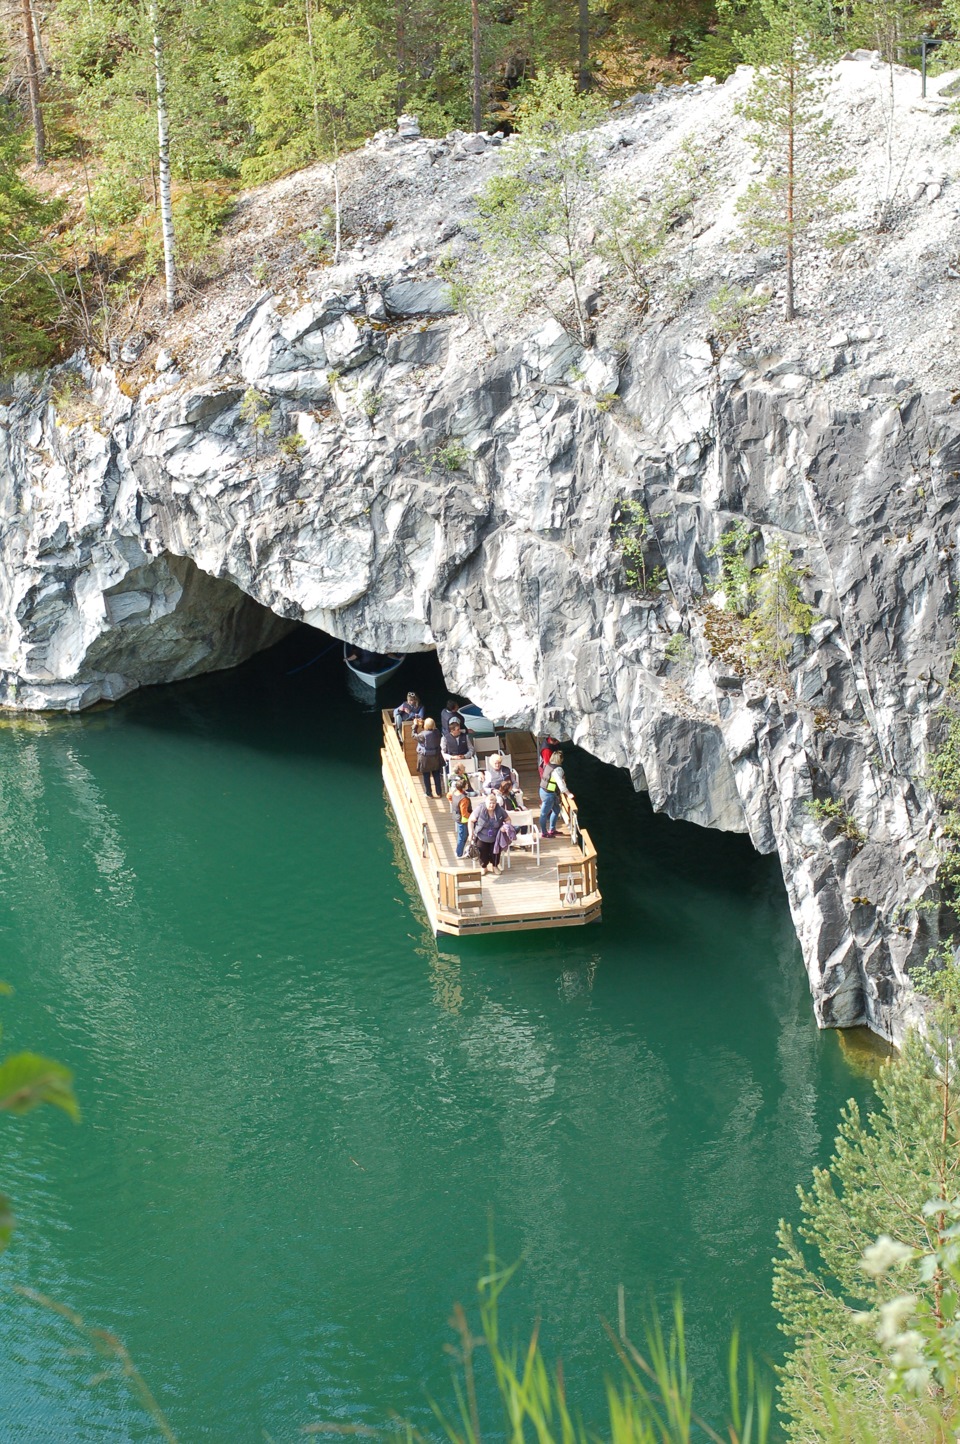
(457, 890)
(579, 876)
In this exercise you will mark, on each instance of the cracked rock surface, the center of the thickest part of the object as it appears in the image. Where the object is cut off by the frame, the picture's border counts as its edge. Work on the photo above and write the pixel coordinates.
(417, 483)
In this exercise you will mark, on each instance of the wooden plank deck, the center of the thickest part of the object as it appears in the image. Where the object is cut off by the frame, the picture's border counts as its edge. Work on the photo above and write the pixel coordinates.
(458, 899)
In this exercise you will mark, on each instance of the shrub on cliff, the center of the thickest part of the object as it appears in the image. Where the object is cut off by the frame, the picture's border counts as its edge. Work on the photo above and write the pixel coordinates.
(533, 215)
(892, 1177)
(29, 302)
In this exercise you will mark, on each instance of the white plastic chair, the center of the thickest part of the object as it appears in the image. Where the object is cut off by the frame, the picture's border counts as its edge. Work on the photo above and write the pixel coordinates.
(530, 839)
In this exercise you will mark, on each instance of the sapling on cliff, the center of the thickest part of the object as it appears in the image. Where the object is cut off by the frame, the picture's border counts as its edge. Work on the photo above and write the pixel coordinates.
(533, 216)
(791, 134)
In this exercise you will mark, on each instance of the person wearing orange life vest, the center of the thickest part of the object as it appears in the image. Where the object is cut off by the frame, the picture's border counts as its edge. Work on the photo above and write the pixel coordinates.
(461, 806)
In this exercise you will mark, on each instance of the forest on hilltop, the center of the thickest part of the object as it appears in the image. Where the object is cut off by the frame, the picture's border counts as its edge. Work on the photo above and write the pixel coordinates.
(128, 125)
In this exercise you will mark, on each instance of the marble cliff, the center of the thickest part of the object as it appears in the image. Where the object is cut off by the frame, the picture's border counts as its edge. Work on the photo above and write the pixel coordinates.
(421, 480)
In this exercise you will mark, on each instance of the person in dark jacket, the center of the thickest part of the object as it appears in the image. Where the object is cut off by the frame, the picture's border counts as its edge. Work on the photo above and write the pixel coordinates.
(430, 758)
(550, 746)
(456, 743)
(451, 713)
(412, 710)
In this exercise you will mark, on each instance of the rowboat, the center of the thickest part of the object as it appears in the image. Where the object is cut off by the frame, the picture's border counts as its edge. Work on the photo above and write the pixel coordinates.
(371, 668)
(544, 883)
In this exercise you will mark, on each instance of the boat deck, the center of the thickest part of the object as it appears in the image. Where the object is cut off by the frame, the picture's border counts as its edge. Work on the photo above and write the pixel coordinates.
(558, 891)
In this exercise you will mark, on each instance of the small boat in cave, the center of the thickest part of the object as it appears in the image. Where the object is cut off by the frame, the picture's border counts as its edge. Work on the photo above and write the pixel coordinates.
(477, 724)
(546, 882)
(371, 668)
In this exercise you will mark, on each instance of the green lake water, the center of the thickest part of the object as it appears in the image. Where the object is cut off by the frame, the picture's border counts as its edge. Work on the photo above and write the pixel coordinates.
(301, 1111)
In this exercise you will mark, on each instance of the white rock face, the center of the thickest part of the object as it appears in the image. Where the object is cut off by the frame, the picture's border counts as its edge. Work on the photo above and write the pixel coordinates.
(418, 488)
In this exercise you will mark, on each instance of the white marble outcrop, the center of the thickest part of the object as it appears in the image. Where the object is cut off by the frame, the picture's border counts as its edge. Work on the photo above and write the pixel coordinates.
(428, 501)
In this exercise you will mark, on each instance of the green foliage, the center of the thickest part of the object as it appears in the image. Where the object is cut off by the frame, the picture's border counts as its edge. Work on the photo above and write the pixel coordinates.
(451, 455)
(943, 779)
(30, 275)
(721, 49)
(256, 411)
(371, 401)
(678, 650)
(634, 231)
(632, 533)
(533, 214)
(198, 218)
(734, 310)
(798, 191)
(830, 810)
(317, 244)
(766, 602)
(649, 1398)
(736, 574)
(832, 1283)
(890, 26)
(780, 613)
(316, 85)
(293, 445)
(28, 1081)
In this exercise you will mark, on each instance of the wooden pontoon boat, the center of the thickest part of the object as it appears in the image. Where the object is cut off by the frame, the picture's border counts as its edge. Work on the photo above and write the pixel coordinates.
(550, 882)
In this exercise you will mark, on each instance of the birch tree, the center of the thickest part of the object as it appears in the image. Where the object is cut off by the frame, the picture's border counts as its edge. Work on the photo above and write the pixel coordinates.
(163, 163)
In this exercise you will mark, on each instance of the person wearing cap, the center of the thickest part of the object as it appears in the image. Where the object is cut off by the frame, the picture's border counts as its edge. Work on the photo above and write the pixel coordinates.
(412, 710)
(455, 743)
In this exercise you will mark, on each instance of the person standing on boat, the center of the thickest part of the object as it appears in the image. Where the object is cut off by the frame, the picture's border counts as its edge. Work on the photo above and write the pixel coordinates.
(456, 743)
(451, 713)
(430, 758)
(410, 711)
(461, 807)
(550, 745)
(553, 786)
(485, 824)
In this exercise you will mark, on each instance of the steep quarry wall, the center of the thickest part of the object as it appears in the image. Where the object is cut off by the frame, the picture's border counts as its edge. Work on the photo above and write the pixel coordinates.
(455, 486)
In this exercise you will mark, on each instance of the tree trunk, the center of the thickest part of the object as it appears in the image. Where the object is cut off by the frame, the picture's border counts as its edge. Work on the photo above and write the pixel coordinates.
(401, 34)
(337, 209)
(163, 160)
(43, 68)
(789, 311)
(313, 75)
(477, 98)
(33, 85)
(583, 32)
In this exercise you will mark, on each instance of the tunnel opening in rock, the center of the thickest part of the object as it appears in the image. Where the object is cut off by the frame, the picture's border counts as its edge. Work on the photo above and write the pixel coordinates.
(164, 620)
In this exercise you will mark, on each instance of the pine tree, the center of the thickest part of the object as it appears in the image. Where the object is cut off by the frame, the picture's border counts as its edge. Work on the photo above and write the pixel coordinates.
(33, 84)
(317, 85)
(785, 105)
(29, 301)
